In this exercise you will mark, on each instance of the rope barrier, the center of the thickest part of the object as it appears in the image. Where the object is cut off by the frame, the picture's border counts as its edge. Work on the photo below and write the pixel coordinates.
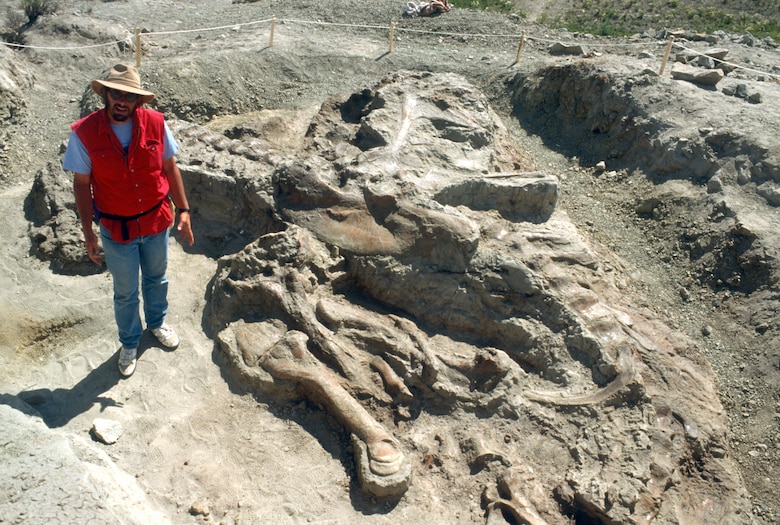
(596, 44)
(217, 28)
(719, 61)
(392, 28)
(69, 48)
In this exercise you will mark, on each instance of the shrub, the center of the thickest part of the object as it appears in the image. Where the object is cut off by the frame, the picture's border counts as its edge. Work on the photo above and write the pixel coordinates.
(35, 8)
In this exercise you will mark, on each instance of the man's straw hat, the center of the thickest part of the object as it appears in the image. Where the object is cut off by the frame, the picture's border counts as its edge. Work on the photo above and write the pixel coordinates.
(124, 78)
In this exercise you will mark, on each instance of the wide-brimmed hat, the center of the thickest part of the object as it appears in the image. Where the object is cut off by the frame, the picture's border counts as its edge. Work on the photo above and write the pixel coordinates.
(124, 78)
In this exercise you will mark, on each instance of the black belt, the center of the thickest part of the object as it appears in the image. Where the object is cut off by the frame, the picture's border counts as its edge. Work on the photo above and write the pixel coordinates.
(124, 219)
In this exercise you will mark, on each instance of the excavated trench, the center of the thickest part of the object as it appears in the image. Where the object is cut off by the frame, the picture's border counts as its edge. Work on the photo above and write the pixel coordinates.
(592, 114)
(240, 189)
(586, 111)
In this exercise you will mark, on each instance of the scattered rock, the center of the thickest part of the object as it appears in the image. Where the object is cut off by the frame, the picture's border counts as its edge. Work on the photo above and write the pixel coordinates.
(705, 62)
(107, 431)
(200, 508)
(559, 48)
(715, 185)
(717, 54)
(770, 192)
(708, 77)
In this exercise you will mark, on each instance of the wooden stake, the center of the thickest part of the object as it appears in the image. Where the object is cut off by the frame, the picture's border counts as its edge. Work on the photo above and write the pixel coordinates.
(392, 37)
(520, 48)
(137, 47)
(666, 55)
(273, 26)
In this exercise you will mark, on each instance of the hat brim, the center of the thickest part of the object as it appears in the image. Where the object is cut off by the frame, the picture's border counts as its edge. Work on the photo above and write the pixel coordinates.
(98, 86)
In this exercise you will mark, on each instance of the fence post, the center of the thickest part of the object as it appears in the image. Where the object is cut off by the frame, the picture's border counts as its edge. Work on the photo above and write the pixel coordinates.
(137, 46)
(392, 37)
(666, 55)
(273, 26)
(520, 48)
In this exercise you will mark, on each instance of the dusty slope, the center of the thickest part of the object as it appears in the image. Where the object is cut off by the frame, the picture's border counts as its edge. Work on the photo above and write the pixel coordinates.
(183, 402)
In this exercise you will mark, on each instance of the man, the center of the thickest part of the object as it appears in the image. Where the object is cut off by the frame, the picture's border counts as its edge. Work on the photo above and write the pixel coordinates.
(125, 176)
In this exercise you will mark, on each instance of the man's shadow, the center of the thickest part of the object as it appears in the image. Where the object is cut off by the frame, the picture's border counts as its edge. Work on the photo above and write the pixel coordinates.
(57, 407)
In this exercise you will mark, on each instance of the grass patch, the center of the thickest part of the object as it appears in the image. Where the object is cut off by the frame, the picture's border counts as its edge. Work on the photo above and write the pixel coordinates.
(501, 6)
(625, 17)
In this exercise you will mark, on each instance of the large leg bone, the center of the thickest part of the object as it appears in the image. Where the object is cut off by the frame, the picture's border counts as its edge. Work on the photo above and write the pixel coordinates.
(383, 469)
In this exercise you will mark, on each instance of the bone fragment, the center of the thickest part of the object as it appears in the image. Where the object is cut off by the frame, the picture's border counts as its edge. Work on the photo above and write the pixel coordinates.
(430, 363)
(506, 504)
(479, 453)
(626, 376)
(394, 384)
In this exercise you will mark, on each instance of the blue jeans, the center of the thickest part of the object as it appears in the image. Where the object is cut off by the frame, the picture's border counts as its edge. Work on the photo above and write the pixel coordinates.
(150, 255)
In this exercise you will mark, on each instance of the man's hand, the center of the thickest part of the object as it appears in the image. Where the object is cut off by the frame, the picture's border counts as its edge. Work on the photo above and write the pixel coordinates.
(93, 248)
(82, 191)
(184, 229)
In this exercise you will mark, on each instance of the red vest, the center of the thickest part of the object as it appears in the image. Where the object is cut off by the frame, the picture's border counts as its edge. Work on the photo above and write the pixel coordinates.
(129, 190)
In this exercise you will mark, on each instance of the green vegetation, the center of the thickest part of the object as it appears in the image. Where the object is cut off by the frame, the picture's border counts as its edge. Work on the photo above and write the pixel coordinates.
(624, 17)
(35, 8)
(17, 23)
(501, 6)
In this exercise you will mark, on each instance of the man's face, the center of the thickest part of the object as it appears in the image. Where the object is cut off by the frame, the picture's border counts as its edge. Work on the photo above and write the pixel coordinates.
(120, 105)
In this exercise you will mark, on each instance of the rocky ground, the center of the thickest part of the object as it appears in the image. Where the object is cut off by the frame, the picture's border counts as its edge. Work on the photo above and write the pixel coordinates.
(682, 208)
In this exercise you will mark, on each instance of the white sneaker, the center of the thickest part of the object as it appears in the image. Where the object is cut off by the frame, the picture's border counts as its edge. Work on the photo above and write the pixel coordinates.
(166, 336)
(127, 361)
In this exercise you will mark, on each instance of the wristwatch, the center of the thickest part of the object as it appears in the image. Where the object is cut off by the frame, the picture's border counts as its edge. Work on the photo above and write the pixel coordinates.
(179, 211)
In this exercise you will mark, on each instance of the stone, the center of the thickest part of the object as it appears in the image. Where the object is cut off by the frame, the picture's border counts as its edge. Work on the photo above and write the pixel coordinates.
(705, 61)
(200, 508)
(107, 431)
(770, 192)
(559, 48)
(709, 77)
(717, 53)
(715, 185)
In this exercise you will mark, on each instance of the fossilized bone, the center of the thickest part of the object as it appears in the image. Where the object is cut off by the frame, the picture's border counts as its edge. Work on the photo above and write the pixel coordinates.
(626, 376)
(288, 291)
(383, 468)
(506, 499)
(393, 384)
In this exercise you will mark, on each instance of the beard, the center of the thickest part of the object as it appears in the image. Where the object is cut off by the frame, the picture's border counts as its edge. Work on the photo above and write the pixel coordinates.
(119, 112)
(120, 117)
